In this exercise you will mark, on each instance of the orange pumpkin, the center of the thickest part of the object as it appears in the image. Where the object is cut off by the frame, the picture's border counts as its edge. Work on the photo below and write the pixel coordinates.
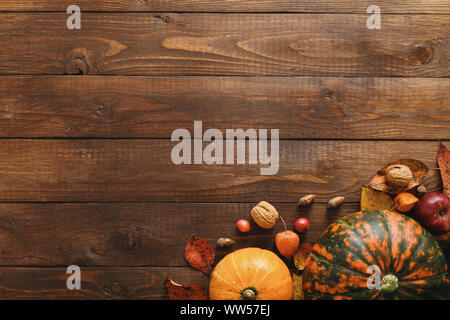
(251, 274)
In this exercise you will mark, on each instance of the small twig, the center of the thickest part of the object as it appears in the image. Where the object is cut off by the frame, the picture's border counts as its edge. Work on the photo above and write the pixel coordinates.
(284, 223)
(394, 207)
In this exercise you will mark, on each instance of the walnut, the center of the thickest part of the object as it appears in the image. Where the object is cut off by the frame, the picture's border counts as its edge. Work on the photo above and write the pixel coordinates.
(265, 215)
(399, 175)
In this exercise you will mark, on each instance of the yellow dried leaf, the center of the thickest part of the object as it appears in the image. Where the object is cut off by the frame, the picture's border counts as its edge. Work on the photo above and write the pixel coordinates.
(298, 287)
(300, 256)
(375, 200)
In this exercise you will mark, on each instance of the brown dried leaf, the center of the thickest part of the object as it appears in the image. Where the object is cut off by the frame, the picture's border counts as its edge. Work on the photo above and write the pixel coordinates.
(444, 166)
(300, 256)
(298, 287)
(199, 254)
(177, 291)
(418, 168)
(444, 240)
(443, 237)
(375, 200)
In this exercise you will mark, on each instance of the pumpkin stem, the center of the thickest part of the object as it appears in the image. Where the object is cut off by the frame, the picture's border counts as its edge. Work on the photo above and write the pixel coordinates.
(249, 293)
(389, 283)
(284, 223)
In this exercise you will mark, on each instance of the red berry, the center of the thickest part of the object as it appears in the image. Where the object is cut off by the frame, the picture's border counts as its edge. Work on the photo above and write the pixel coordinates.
(243, 225)
(301, 225)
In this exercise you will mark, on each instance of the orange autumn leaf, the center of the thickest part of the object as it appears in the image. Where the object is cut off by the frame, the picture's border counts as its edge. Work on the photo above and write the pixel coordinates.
(418, 169)
(199, 254)
(444, 166)
(177, 291)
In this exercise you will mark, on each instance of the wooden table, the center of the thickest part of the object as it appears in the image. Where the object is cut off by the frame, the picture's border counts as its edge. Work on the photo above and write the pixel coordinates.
(86, 118)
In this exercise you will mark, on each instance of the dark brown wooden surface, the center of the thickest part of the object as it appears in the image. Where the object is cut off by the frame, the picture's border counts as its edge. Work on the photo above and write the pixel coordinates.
(141, 170)
(86, 176)
(318, 6)
(97, 283)
(225, 44)
(152, 107)
(129, 235)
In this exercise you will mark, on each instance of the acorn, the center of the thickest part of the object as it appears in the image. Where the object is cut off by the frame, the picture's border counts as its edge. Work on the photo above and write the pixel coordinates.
(225, 242)
(335, 202)
(306, 200)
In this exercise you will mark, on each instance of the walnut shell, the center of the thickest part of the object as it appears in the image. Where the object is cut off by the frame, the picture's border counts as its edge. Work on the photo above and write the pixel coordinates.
(399, 175)
(265, 215)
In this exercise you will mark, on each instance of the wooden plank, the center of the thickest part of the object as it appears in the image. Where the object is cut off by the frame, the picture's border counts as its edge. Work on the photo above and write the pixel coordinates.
(322, 6)
(152, 107)
(131, 235)
(222, 44)
(141, 170)
(96, 283)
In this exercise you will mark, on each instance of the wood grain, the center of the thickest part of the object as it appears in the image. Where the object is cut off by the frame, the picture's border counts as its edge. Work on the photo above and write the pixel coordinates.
(96, 283)
(142, 170)
(219, 44)
(318, 6)
(152, 107)
(130, 235)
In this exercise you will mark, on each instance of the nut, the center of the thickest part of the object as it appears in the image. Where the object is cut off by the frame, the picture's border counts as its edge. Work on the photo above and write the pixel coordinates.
(306, 200)
(399, 175)
(335, 202)
(265, 215)
(225, 242)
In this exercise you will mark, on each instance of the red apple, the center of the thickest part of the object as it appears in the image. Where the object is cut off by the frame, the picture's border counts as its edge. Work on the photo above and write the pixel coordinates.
(433, 212)
(301, 225)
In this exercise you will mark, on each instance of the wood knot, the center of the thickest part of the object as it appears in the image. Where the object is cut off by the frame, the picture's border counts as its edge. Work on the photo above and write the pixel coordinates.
(165, 19)
(421, 54)
(86, 154)
(77, 62)
(326, 93)
(142, 2)
(77, 66)
(116, 290)
(127, 240)
(327, 167)
(100, 110)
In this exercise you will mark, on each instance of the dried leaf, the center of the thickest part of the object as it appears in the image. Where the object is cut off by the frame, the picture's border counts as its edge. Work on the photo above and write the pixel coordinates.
(444, 240)
(418, 168)
(298, 287)
(177, 291)
(375, 200)
(302, 253)
(443, 237)
(444, 166)
(199, 254)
